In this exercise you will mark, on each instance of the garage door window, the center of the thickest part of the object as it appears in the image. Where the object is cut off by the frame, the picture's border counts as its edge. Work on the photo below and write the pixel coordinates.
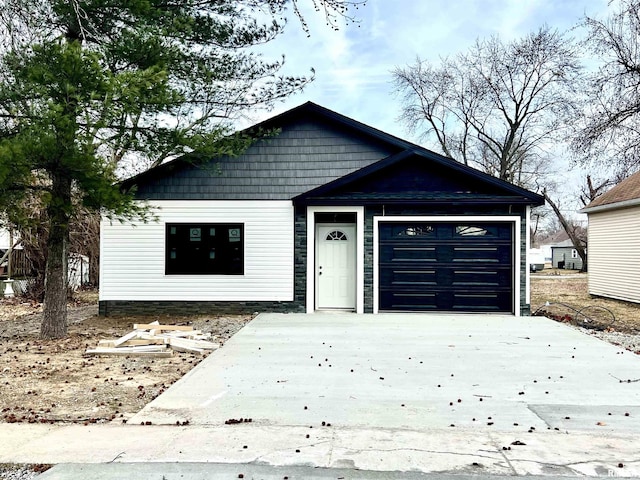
(204, 249)
(413, 231)
(471, 231)
(417, 231)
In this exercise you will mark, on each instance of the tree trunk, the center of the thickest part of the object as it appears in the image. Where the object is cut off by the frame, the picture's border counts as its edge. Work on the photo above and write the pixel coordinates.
(54, 323)
(577, 244)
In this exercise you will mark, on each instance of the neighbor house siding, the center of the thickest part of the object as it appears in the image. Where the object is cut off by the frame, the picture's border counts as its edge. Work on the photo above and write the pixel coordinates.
(614, 254)
(133, 255)
(572, 261)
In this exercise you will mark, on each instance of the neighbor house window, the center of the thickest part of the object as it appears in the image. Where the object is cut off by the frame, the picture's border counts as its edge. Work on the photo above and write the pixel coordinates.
(204, 249)
(574, 253)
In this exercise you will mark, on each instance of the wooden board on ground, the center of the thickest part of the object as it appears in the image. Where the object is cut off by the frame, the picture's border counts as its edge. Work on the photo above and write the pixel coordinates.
(124, 338)
(198, 344)
(151, 326)
(132, 342)
(123, 351)
(153, 339)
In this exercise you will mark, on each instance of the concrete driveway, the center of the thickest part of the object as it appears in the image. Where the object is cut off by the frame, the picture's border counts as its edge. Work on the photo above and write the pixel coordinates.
(409, 371)
(450, 393)
(371, 397)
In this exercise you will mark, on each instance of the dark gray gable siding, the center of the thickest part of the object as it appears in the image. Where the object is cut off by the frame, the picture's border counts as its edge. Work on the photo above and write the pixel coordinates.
(413, 177)
(304, 155)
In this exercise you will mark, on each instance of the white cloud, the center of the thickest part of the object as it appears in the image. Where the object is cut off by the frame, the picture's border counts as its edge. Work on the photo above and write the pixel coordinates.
(353, 64)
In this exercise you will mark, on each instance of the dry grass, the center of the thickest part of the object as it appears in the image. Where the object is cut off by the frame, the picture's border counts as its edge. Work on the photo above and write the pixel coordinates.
(549, 270)
(573, 290)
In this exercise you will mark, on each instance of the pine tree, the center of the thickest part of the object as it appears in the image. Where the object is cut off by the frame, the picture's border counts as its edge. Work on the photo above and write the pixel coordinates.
(86, 85)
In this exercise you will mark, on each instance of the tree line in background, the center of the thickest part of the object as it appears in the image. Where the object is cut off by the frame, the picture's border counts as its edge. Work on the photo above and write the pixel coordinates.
(511, 109)
(87, 86)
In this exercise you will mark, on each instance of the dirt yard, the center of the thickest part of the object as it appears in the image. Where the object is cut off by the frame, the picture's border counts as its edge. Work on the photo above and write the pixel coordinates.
(53, 381)
(47, 381)
(571, 290)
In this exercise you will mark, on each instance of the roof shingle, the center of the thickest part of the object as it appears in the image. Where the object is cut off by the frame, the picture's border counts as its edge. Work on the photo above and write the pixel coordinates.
(627, 189)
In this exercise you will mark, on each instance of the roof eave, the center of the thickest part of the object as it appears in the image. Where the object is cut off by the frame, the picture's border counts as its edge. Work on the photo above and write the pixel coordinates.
(634, 202)
(315, 201)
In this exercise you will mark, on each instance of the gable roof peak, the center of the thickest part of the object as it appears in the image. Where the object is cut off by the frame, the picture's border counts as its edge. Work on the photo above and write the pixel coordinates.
(335, 117)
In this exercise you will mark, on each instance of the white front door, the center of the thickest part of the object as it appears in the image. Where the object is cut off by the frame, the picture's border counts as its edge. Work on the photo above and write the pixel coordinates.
(335, 266)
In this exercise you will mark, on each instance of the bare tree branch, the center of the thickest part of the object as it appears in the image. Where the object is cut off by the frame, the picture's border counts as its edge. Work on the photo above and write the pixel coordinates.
(609, 134)
(497, 107)
(570, 230)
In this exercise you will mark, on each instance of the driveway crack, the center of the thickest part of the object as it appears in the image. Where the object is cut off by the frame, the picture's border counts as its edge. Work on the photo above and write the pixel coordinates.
(503, 454)
(420, 450)
(331, 446)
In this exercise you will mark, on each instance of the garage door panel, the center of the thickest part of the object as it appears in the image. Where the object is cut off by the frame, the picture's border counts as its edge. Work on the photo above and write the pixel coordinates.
(446, 251)
(445, 266)
(408, 276)
(477, 277)
(487, 301)
(481, 301)
(408, 253)
(408, 301)
(482, 254)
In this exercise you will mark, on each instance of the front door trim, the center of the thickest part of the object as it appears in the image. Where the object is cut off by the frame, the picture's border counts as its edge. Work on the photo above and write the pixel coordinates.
(333, 294)
(517, 261)
(311, 253)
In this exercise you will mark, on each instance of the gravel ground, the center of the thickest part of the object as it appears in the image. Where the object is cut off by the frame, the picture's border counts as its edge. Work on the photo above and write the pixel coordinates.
(12, 471)
(627, 341)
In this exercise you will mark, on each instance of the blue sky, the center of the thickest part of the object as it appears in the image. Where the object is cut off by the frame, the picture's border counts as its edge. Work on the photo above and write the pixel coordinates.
(353, 64)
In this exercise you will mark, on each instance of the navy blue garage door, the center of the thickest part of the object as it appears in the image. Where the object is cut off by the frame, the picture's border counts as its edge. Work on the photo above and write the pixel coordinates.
(434, 266)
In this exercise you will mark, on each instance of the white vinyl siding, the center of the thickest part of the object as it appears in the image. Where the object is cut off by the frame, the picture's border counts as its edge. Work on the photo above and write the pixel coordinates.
(614, 254)
(132, 259)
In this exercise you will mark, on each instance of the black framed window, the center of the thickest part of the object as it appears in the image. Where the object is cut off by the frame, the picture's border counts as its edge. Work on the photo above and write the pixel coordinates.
(204, 249)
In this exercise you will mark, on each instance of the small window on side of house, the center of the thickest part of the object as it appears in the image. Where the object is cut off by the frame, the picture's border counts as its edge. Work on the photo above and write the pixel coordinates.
(204, 249)
(574, 253)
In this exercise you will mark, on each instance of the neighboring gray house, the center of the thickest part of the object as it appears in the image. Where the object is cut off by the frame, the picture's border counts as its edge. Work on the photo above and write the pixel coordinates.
(329, 214)
(614, 241)
(564, 255)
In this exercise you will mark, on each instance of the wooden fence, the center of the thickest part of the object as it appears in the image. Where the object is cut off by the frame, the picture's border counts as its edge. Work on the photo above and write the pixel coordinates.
(20, 265)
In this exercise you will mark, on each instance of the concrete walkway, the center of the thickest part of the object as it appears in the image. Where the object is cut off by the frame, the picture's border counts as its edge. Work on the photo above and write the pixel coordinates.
(464, 394)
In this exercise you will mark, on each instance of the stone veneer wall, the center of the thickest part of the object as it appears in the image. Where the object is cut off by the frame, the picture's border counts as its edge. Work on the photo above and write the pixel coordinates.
(300, 258)
(178, 307)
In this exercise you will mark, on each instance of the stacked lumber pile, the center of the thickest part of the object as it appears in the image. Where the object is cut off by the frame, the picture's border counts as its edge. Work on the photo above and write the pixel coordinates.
(155, 340)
